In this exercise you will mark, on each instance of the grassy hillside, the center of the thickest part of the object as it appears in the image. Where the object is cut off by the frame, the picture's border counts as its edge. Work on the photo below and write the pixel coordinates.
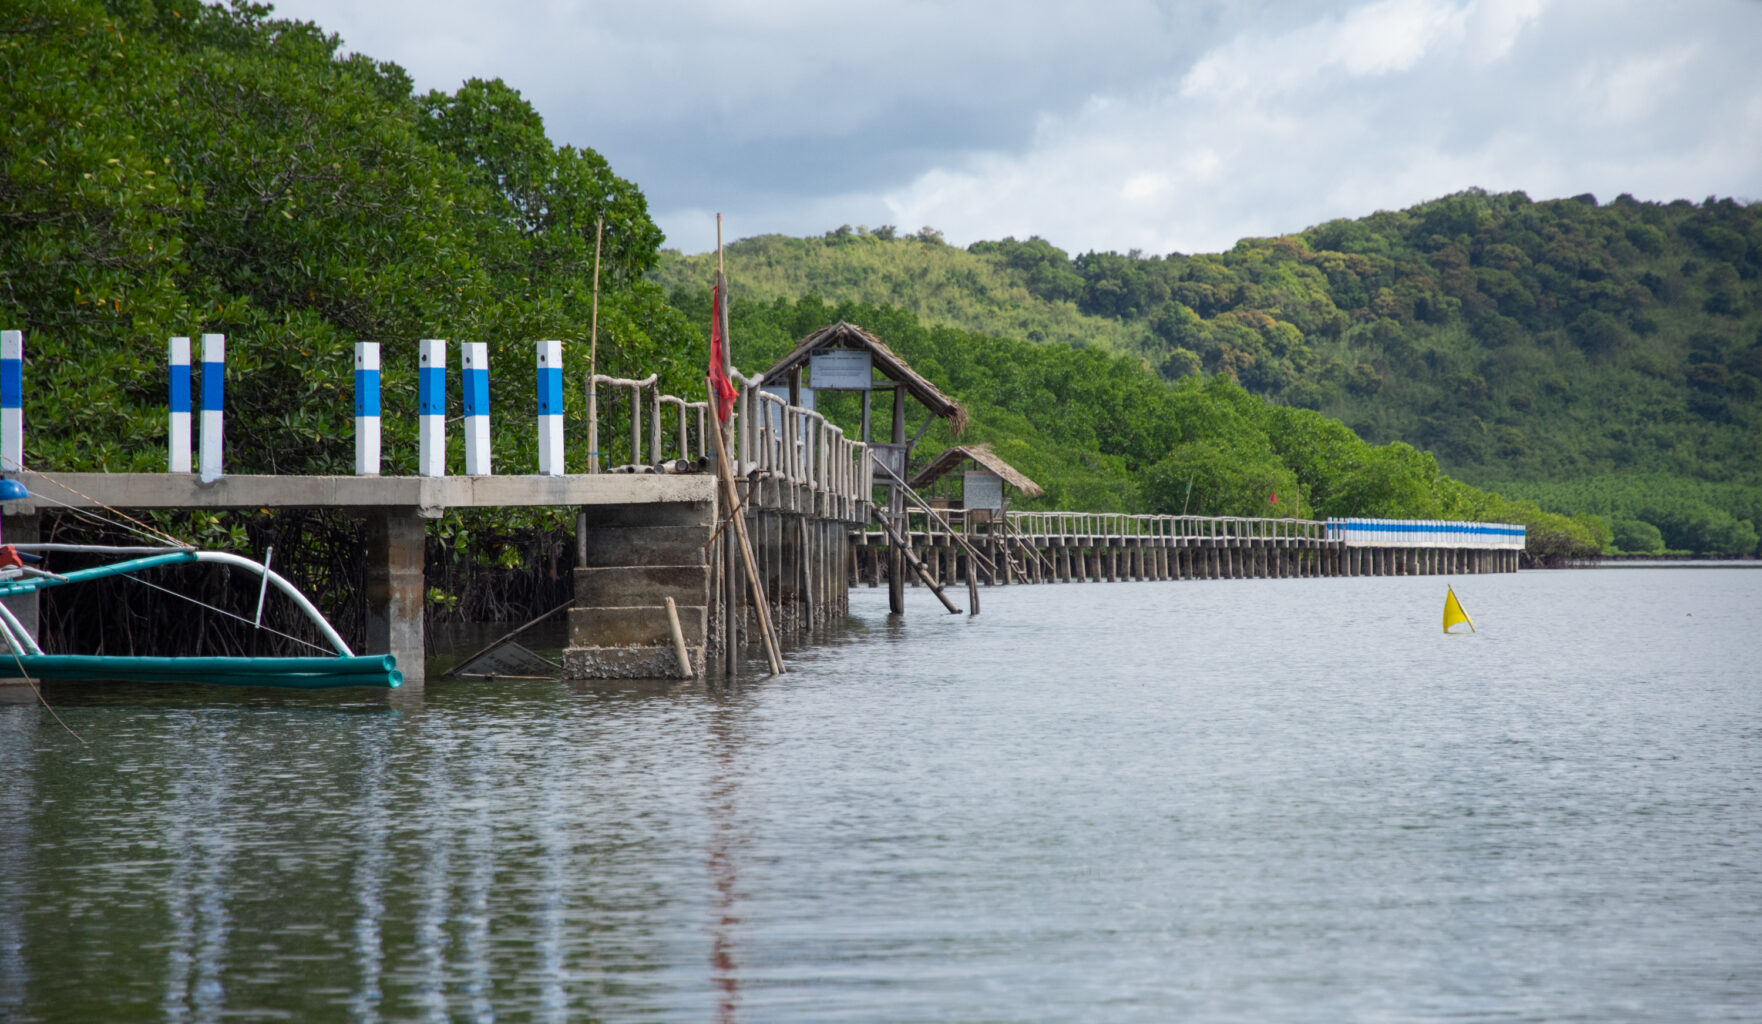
(1530, 344)
(1100, 431)
(919, 274)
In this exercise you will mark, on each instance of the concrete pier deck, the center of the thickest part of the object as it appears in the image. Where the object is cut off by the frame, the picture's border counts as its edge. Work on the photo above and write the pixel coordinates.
(393, 510)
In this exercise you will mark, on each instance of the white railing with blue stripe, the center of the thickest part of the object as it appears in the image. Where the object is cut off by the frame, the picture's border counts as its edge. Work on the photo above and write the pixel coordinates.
(11, 401)
(1425, 533)
(431, 407)
(178, 430)
(550, 408)
(367, 423)
(212, 443)
(474, 381)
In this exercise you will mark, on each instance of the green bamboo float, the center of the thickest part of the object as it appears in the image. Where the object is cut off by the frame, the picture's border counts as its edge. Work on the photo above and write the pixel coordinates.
(25, 660)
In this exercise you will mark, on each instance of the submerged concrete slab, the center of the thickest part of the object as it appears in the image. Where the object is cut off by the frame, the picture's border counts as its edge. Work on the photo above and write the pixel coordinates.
(628, 662)
(634, 626)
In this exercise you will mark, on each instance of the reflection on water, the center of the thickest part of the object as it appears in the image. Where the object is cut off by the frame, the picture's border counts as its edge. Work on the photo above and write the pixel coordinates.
(197, 831)
(1238, 800)
(18, 798)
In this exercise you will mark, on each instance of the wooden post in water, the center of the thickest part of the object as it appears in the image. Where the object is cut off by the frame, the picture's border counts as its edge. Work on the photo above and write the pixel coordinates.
(895, 513)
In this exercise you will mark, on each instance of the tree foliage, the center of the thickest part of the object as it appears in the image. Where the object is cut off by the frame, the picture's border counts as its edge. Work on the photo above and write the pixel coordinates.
(169, 168)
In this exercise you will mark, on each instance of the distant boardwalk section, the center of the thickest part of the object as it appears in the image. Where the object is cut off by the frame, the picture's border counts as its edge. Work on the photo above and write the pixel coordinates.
(1086, 547)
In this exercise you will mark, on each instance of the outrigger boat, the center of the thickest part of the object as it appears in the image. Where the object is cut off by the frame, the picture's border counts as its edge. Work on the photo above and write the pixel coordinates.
(24, 660)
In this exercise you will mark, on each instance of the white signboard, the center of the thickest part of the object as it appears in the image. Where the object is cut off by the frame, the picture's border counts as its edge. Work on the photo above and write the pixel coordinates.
(839, 369)
(982, 488)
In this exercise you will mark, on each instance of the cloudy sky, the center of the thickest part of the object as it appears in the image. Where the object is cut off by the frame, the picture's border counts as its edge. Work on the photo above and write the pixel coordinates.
(1161, 125)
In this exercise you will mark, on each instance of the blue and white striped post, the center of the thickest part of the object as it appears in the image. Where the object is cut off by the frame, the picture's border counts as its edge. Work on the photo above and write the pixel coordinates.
(213, 401)
(431, 407)
(367, 408)
(11, 401)
(474, 376)
(178, 432)
(550, 408)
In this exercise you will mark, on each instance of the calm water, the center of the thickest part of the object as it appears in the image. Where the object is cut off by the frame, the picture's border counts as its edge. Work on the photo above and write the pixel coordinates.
(1223, 801)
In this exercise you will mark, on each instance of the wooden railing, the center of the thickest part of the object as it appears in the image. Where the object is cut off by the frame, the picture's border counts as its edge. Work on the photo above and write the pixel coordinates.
(1080, 528)
(1075, 525)
(776, 440)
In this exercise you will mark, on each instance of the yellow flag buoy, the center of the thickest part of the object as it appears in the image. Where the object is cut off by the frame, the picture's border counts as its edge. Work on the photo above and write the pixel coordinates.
(1453, 612)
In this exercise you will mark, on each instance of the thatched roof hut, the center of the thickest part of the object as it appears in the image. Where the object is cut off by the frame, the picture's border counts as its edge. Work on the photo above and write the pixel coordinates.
(984, 456)
(842, 335)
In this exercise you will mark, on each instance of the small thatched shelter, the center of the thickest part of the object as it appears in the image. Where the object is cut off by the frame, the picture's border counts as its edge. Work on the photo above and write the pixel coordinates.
(984, 457)
(842, 336)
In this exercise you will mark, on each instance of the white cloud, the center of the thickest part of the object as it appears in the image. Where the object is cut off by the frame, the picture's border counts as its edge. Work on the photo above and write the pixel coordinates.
(1635, 86)
(1156, 124)
(1388, 104)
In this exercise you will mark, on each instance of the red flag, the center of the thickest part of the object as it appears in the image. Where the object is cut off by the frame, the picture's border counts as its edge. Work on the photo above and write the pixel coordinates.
(721, 388)
(1273, 497)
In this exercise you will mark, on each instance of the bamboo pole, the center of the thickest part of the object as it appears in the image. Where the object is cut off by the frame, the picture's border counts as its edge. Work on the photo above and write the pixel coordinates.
(730, 561)
(925, 506)
(593, 357)
(725, 471)
(760, 605)
(678, 640)
(904, 550)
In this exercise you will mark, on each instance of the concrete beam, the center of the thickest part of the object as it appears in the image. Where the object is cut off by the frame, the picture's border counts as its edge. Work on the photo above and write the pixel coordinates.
(429, 495)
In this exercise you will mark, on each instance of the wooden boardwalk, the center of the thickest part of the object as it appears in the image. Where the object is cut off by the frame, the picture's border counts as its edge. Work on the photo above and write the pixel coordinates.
(1081, 547)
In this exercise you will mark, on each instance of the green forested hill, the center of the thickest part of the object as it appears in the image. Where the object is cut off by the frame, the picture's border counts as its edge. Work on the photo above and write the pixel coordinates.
(1099, 430)
(1537, 345)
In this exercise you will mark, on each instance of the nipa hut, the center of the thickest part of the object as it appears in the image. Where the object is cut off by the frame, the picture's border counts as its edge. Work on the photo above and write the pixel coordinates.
(981, 487)
(817, 352)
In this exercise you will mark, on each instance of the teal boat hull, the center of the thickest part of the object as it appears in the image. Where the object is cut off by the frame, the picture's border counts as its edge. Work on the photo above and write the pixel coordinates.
(298, 673)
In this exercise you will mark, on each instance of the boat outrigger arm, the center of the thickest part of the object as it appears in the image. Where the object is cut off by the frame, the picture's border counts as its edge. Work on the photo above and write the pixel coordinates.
(28, 659)
(43, 581)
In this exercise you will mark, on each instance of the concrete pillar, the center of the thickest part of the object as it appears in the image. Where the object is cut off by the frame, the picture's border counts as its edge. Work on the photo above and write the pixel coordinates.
(24, 529)
(633, 557)
(395, 590)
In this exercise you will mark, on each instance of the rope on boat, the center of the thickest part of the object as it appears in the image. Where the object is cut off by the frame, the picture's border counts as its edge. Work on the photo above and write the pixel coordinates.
(37, 689)
(222, 611)
(139, 527)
